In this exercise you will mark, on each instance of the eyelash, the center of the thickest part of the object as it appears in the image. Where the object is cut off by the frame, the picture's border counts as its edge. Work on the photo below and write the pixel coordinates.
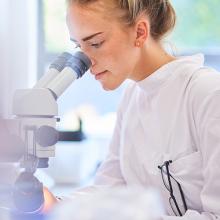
(97, 45)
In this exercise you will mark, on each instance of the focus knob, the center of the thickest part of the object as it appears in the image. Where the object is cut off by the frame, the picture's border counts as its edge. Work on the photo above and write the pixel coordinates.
(47, 136)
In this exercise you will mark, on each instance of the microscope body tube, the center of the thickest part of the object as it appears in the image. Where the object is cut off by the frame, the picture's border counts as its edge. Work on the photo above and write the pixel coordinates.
(62, 81)
(75, 68)
(51, 74)
(55, 68)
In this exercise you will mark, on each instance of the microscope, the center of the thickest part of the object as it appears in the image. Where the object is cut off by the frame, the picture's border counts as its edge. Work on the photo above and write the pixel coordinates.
(31, 135)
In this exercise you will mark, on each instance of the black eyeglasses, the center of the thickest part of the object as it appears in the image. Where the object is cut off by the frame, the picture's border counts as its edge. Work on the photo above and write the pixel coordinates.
(169, 182)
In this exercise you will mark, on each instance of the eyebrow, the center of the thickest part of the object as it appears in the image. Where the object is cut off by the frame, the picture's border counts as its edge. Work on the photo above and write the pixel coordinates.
(87, 38)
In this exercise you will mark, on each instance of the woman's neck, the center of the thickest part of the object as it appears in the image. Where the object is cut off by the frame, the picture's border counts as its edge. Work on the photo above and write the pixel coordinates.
(152, 57)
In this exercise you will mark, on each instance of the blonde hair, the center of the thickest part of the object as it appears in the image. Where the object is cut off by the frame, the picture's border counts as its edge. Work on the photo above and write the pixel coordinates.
(160, 13)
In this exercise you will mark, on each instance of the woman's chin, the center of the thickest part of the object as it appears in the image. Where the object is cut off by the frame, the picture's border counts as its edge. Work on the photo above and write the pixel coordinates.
(109, 87)
(106, 88)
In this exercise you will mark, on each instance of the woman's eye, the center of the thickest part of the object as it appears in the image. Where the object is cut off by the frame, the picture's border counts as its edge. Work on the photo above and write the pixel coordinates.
(97, 45)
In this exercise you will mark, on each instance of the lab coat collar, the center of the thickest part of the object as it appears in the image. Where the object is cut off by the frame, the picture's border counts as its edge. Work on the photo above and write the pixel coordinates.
(154, 81)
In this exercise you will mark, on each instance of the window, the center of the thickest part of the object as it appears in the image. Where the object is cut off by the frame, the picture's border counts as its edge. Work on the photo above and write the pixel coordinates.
(56, 33)
(197, 26)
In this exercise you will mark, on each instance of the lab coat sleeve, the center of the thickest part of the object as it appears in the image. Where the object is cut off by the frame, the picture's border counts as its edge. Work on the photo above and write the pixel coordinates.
(207, 122)
(109, 173)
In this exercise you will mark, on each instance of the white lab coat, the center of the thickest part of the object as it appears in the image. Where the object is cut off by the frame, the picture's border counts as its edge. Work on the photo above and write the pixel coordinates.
(174, 114)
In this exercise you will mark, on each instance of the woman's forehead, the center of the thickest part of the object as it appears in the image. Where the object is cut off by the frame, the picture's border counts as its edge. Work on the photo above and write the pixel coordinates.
(83, 21)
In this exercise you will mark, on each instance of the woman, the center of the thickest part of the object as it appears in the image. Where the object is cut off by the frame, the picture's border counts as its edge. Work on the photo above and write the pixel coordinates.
(167, 133)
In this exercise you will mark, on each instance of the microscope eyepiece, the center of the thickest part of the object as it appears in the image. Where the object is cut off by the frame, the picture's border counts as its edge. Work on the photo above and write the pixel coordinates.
(79, 62)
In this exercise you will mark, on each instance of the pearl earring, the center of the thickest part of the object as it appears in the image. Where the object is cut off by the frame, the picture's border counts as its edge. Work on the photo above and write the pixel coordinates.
(138, 44)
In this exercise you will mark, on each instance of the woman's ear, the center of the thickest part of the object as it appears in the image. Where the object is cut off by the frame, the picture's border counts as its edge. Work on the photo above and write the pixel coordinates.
(142, 30)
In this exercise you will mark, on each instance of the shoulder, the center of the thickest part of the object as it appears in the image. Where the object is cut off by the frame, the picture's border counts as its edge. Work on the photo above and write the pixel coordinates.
(205, 92)
(205, 82)
(206, 79)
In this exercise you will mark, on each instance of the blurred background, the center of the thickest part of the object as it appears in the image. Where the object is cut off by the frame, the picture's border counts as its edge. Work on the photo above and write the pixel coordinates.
(33, 33)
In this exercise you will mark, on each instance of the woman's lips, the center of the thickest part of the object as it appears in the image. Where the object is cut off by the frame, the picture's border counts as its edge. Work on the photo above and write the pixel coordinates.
(99, 75)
